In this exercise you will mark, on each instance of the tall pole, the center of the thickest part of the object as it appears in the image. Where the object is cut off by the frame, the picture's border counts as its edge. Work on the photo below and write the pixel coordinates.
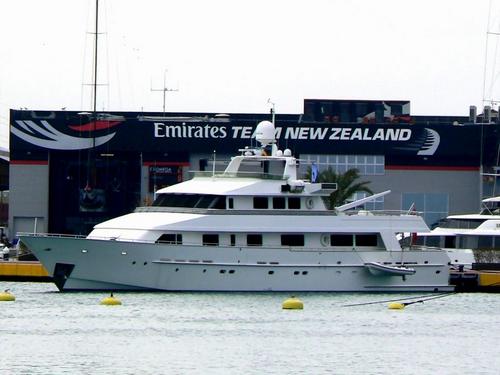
(94, 108)
(95, 55)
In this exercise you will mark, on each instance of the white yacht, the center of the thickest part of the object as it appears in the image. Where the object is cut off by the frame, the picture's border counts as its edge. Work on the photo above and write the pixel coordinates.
(479, 231)
(254, 227)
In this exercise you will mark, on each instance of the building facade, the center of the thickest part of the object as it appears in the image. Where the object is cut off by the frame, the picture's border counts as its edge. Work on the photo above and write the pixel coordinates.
(71, 170)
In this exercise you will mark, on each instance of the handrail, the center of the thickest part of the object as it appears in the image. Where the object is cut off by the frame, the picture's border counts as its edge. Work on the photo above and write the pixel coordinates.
(260, 175)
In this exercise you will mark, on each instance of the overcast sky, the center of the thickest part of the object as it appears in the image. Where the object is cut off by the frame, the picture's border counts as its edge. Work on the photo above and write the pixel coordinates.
(233, 55)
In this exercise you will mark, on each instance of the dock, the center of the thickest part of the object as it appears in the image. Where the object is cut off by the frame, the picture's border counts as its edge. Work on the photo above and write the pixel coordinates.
(16, 270)
(483, 277)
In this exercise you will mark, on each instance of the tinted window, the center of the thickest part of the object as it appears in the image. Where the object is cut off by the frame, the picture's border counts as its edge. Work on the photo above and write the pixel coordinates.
(260, 202)
(254, 239)
(294, 203)
(366, 240)
(170, 238)
(279, 203)
(210, 239)
(341, 240)
(292, 240)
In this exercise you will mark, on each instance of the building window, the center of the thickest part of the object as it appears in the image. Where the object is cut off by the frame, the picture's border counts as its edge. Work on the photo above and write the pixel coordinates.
(366, 164)
(341, 240)
(210, 240)
(292, 240)
(294, 203)
(170, 238)
(230, 203)
(434, 206)
(376, 204)
(279, 203)
(260, 203)
(254, 239)
(233, 239)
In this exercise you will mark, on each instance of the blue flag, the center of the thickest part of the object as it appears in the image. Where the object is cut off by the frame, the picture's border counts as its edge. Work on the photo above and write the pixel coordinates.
(314, 172)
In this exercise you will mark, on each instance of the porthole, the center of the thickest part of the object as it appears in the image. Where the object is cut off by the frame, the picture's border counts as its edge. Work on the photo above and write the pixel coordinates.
(296, 272)
(124, 253)
(304, 272)
(231, 271)
(222, 271)
(204, 270)
(84, 251)
(309, 203)
(134, 262)
(339, 262)
(176, 270)
(271, 272)
(325, 240)
(438, 271)
(145, 263)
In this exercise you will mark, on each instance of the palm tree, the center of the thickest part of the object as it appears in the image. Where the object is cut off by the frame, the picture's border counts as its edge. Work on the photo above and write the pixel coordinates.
(346, 185)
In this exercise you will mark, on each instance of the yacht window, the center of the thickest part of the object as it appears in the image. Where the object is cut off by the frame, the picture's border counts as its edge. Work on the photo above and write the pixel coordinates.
(341, 240)
(210, 240)
(190, 200)
(260, 203)
(449, 242)
(366, 240)
(292, 240)
(254, 239)
(170, 238)
(204, 201)
(279, 203)
(230, 203)
(219, 203)
(294, 203)
(233, 239)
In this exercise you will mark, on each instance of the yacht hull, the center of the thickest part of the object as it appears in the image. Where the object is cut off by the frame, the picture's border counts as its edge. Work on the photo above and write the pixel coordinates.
(91, 264)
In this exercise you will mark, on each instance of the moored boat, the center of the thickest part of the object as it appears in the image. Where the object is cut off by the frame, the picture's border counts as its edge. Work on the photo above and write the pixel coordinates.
(254, 227)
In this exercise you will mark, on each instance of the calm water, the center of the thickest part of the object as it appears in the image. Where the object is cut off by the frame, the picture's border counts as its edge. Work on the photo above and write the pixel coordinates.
(47, 332)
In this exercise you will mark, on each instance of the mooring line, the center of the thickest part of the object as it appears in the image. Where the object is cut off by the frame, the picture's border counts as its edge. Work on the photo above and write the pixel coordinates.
(440, 295)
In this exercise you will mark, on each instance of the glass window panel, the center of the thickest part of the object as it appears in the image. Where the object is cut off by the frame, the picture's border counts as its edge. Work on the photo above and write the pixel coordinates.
(366, 240)
(410, 198)
(379, 169)
(260, 202)
(341, 240)
(436, 202)
(210, 240)
(294, 203)
(279, 203)
(292, 240)
(254, 239)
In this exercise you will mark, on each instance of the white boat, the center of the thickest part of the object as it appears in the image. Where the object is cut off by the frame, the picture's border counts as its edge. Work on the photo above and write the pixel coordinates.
(254, 227)
(469, 232)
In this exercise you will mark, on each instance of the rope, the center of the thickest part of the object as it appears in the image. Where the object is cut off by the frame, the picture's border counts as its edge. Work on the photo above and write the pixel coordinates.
(441, 295)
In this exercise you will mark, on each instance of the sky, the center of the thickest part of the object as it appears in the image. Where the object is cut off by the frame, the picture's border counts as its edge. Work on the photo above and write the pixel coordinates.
(226, 56)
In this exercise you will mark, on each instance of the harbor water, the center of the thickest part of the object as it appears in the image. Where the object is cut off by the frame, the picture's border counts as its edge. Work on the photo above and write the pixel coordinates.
(48, 332)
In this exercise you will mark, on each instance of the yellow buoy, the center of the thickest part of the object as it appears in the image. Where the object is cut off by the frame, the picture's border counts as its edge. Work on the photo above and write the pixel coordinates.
(396, 306)
(7, 296)
(111, 301)
(293, 303)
